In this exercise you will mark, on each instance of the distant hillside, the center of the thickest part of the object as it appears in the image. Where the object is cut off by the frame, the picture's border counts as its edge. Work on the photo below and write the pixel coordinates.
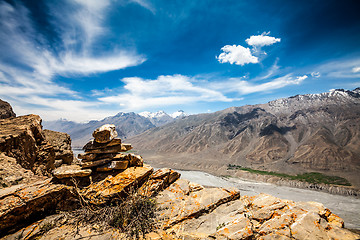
(127, 125)
(313, 132)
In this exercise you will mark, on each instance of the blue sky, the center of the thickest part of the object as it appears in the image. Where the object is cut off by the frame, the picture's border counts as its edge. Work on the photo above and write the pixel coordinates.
(88, 59)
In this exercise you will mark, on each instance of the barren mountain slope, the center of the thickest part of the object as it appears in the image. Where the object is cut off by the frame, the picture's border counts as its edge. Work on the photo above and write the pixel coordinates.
(314, 132)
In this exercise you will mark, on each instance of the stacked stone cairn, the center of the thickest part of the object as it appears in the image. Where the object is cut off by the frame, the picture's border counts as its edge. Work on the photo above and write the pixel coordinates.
(104, 153)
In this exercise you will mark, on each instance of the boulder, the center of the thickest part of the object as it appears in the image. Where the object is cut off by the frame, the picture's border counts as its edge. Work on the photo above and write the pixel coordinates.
(105, 133)
(62, 145)
(118, 185)
(6, 110)
(23, 204)
(68, 171)
(22, 138)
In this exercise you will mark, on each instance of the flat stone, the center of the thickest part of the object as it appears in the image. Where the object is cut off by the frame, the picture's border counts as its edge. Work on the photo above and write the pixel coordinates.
(113, 165)
(68, 171)
(105, 133)
(95, 163)
(91, 145)
(112, 187)
(112, 149)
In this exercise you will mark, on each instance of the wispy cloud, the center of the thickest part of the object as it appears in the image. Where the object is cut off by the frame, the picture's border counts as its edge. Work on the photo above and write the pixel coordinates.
(243, 87)
(30, 63)
(345, 68)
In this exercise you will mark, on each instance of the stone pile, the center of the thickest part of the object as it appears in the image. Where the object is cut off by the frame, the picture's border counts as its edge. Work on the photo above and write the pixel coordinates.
(102, 154)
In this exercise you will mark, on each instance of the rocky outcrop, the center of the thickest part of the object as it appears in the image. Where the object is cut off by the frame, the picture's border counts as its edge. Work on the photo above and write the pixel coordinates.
(6, 110)
(264, 217)
(105, 190)
(22, 204)
(22, 138)
(62, 146)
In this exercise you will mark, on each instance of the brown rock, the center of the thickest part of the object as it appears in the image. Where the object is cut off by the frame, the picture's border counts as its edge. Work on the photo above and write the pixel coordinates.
(27, 203)
(105, 133)
(240, 228)
(86, 157)
(91, 145)
(176, 206)
(112, 149)
(62, 145)
(95, 163)
(112, 187)
(11, 173)
(6, 110)
(68, 171)
(113, 165)
(159, 180)
(22, 139)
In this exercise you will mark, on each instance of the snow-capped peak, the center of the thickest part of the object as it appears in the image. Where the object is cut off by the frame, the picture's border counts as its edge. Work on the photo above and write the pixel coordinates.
(158, 114)
(178, 114)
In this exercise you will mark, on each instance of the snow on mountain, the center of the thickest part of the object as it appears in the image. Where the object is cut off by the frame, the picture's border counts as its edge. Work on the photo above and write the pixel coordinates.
(178, 114)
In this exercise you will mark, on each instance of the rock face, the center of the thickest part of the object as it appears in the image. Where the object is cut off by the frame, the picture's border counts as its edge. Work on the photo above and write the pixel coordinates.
(314, 132)
(6, 110)
(62, 145)
(11, 173)
(22, 138)
(21, 204)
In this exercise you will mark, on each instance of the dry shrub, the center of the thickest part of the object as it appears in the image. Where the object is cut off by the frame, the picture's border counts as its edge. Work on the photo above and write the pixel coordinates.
(133, 215)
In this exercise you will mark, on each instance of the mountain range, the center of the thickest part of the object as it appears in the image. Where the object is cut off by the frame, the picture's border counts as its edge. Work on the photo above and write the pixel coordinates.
(127, 124)
(313, 132)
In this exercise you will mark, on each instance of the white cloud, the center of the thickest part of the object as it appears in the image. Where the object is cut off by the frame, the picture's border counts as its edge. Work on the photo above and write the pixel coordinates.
(315, 74)
(236, 54)
(356, 69)
(262, 40)
(163, 91)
